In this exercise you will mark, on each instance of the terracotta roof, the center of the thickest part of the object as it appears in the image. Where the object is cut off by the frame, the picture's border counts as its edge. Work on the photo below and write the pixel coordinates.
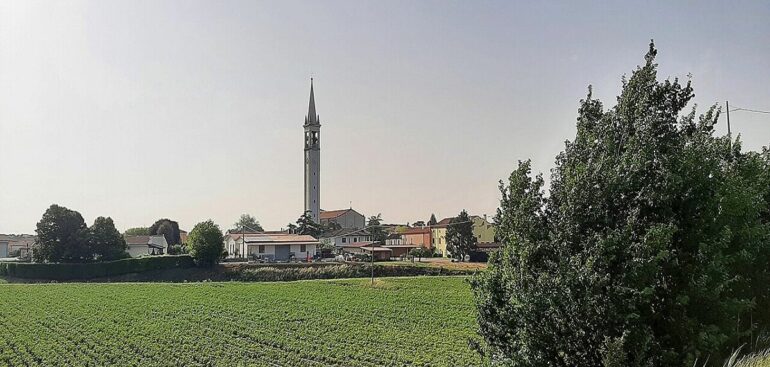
(422, 230)
(331, 214)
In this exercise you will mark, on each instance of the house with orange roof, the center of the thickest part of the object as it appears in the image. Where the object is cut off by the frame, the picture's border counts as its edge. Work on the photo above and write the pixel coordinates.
(346, 218)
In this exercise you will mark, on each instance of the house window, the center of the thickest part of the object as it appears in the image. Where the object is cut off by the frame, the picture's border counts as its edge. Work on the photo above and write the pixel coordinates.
(261, 249)
(355, 239)
(302, 248)
(344, 239)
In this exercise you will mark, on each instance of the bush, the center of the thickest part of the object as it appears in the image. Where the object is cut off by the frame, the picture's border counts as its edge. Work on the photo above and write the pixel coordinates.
(64, 271)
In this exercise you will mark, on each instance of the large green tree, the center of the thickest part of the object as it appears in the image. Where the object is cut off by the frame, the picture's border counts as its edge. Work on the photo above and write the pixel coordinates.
(247, 223)
(168, 228)
(206, 243)
(137, 231)
(62, 236)
(105, 240)
(306, 225)
(460, 240)
(432, 221)
(652, 248)
(375, 228)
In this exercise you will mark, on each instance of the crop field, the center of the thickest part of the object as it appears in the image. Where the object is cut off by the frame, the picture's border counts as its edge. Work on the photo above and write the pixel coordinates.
(423, 321)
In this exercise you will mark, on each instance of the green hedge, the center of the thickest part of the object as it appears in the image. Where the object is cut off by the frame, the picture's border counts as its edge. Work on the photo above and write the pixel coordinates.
(61, 271)
(276, 273)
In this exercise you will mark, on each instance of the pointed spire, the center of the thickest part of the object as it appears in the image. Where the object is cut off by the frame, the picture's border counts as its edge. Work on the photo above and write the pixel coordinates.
(311, 115)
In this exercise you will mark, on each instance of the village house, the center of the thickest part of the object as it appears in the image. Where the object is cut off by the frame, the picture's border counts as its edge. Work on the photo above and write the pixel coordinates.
(345, 218)
(14, 245)
(146, 245)
(342, 237)
(482, 230)
(271, 246)
(367, 248)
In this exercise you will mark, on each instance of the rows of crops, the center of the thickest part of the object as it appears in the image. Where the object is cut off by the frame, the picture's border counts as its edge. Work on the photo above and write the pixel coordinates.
(400, 321)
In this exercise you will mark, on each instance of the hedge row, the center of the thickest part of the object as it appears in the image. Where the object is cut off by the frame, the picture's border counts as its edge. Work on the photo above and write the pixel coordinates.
(61, 271)
(276, 274)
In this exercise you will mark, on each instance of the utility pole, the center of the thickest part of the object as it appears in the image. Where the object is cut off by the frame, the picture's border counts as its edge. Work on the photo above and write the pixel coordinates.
(729, 136)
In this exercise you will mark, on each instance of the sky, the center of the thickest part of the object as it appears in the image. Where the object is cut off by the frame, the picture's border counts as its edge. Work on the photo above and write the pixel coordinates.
(193, 110)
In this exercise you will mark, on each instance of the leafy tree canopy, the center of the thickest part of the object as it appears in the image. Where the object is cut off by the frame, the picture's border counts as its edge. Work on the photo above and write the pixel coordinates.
(137, 231)
(306, 225)
(432, 221)
(168, 228)
(652, 248)
(247, 223)
(62, 236)
(459, 236)
(105, 240)
(375, 228)
(206, 243)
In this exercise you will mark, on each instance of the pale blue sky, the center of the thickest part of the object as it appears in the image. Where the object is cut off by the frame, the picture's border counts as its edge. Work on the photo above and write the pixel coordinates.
(193, 110)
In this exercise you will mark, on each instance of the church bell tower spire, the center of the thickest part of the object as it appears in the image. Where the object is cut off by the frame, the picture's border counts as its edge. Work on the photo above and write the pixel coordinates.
(312, 159)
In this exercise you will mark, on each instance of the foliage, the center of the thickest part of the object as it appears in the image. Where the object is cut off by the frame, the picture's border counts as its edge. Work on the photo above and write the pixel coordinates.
(69, 271)
(651, 248)
(432, 221)
(206, 243)
(291, 273)
(247, 223)
(105, 240)
(137, 231)
(291, 228)
(421, 252)
(237, 324)
(168, 228)
(306, 225)
(62, 236)
(418, 224)
(374, 226)
(460, 240)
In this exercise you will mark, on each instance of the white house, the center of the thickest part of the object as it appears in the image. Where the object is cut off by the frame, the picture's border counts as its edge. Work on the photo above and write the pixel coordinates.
(146, 245)
(343, 237)
(280, 246)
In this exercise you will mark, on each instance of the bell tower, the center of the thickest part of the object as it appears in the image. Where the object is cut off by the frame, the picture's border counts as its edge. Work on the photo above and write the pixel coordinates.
(312, 159)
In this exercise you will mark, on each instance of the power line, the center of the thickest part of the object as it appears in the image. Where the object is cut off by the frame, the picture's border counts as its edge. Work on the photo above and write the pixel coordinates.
(748, 110)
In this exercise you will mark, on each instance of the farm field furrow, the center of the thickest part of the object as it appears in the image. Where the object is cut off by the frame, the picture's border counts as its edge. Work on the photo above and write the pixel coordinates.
(423, 321)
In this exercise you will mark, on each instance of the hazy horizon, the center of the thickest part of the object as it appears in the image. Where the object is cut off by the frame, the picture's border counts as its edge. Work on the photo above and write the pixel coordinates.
(190, 110)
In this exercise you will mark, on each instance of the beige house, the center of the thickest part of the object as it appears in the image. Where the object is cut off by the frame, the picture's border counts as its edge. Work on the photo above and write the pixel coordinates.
(14, 245)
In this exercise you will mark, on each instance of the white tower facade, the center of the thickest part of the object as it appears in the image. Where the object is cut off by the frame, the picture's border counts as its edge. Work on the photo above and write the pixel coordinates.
(312, 160)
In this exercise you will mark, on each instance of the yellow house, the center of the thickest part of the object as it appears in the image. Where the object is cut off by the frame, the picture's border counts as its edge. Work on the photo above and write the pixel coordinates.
(482, 229)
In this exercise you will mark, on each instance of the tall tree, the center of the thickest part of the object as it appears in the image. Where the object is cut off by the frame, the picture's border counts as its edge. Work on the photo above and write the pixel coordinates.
(649, 250)
(306, 225)
(375, 228)
(247, 223)
(206, 243)
(168, 228)
(137, 231)
(459, 236)
(432, 221)
(105, 240)
(62, 236)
